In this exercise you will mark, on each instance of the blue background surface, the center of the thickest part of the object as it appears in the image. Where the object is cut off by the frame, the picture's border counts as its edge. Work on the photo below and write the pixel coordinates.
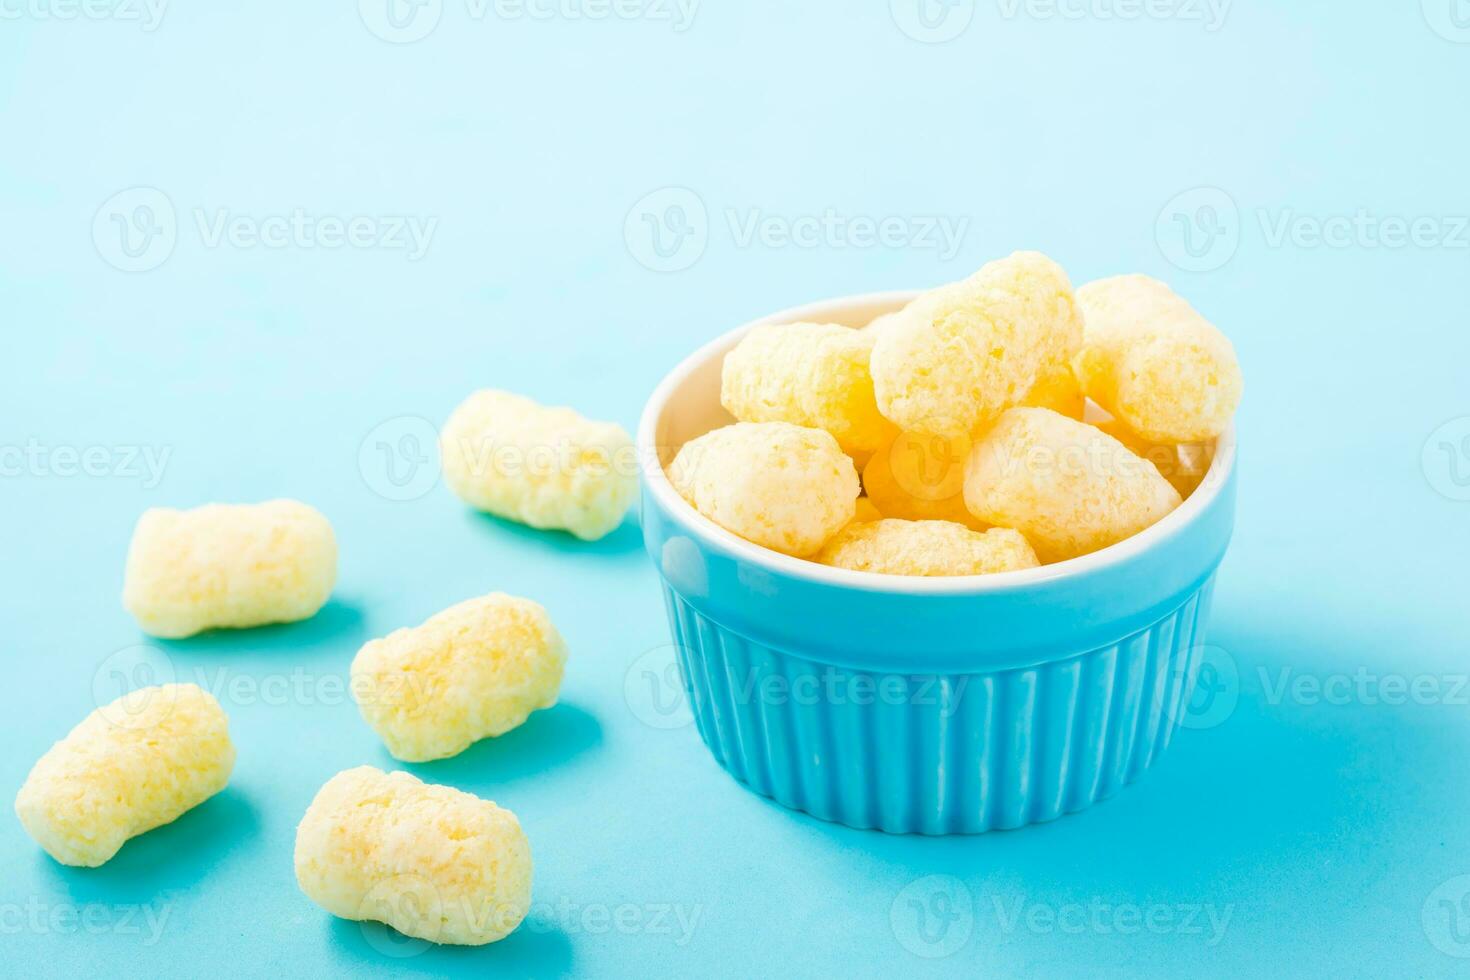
(1326, 831)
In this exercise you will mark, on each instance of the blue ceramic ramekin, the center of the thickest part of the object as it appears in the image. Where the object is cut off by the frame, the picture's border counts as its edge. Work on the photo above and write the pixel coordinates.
(926, 705)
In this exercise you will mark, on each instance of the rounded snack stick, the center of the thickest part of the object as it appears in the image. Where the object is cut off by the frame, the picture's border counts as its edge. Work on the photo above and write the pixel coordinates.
(810, 374)
(431, 861)
(228, 566)
(777, 485)
(1151, 361)
(894, 547)
(961, 354)
(475, 670)
(548, 468)
(1068, 487)
(132, 765)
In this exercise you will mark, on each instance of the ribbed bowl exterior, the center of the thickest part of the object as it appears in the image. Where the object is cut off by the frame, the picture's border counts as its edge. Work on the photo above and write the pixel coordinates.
(939, 754)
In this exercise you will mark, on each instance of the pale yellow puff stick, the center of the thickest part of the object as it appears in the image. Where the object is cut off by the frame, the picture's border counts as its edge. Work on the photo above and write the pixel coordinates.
(961, 354)
(895, 547)
(431, 861)
(228, 566)
(810, 374)
(781, 486)
(1151, 361)
(548, 468)
(475, 670)
(134, 764)
(1068, 487)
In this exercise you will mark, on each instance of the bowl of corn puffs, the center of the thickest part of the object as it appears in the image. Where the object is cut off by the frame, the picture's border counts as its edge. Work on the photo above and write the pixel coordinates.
(940, 561)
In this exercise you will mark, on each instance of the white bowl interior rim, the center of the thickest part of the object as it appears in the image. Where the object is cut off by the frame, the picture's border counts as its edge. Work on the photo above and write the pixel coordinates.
(834, 310)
